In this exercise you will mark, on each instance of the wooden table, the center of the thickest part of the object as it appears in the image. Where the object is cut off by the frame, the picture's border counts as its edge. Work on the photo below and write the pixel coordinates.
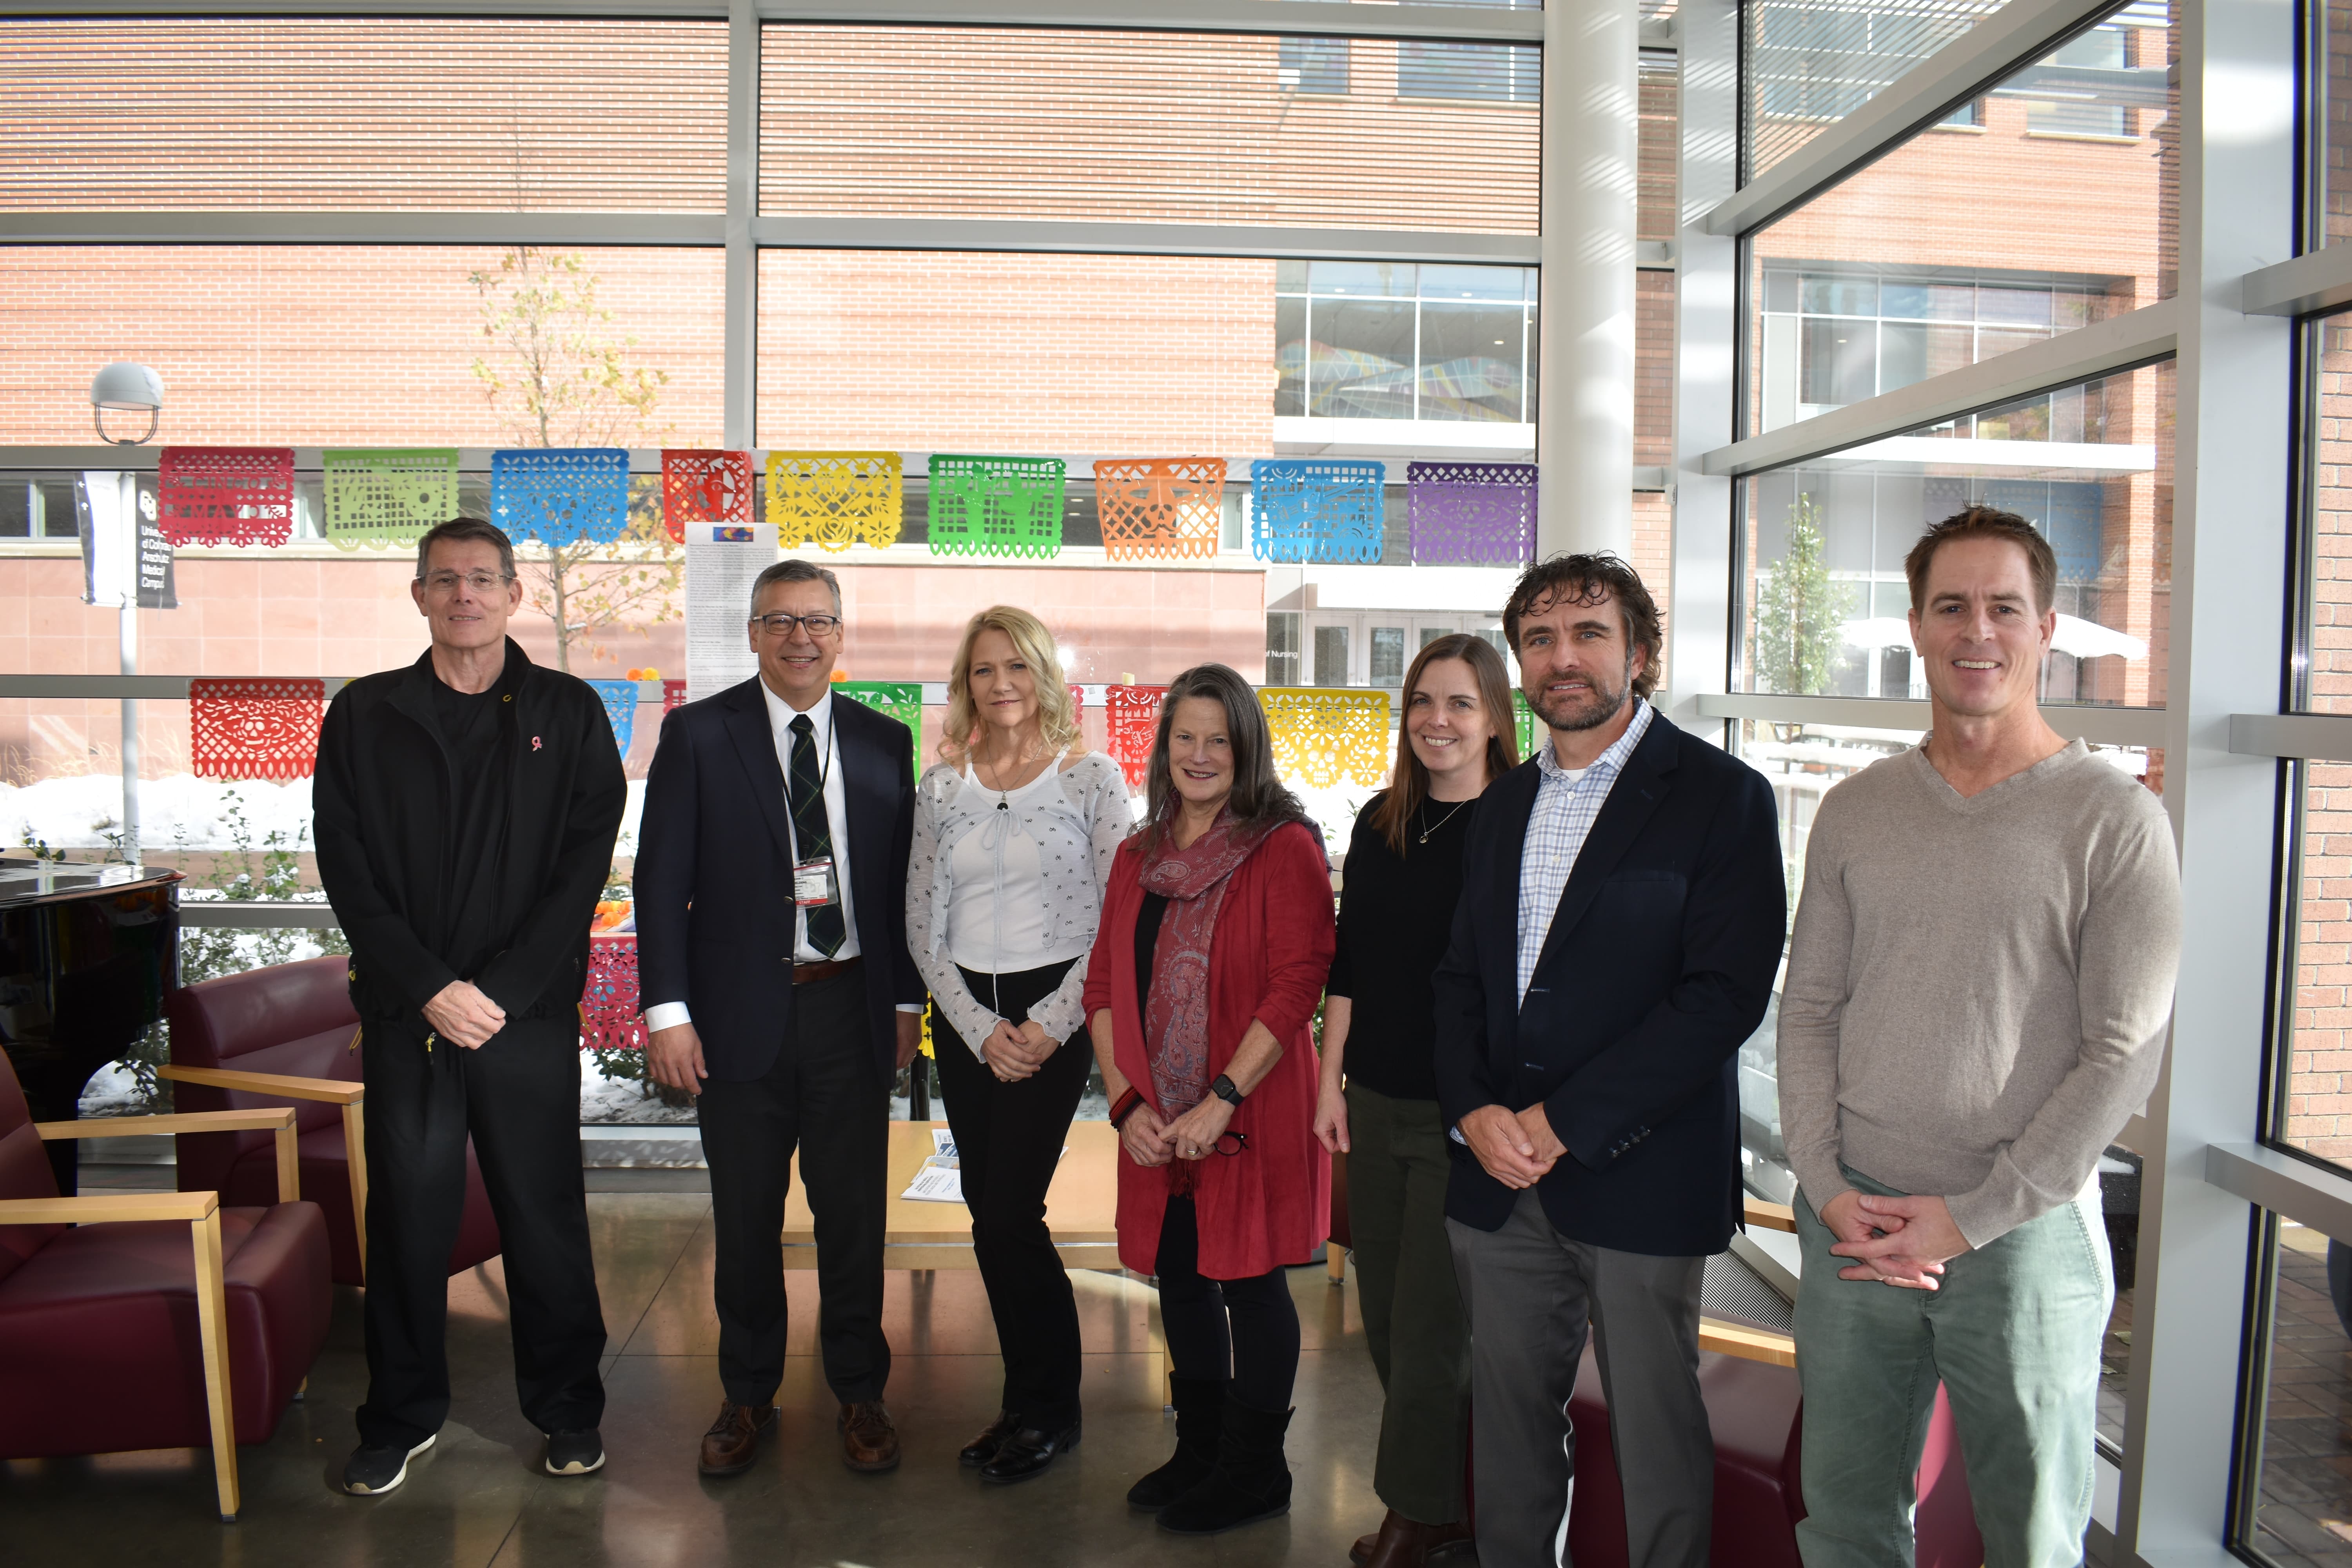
(1081, 1206)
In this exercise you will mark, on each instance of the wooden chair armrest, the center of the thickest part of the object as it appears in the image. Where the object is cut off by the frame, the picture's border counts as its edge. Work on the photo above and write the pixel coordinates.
(264, 1119)
(277, 1119)
(1747, 1345)
(332, 1091)
(201, 1212)
(106, 1207)
(1771, 1217)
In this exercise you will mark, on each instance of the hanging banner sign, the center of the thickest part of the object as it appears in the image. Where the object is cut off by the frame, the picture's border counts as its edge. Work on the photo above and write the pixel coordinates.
(1328, 736)
(1131, 728)
(255, 727)
(125, 559)
(704, 487)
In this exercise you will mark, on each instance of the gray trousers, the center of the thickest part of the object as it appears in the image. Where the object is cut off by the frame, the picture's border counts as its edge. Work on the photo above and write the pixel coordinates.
(1531, 1293)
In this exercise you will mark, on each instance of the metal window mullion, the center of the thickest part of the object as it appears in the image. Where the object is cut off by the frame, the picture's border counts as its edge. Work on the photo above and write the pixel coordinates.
(2320, 737)
(1102, 238)
(2120, 342)
(247, 226)
(2306, 1191)
(2286, 923)
(2315, 281)
(739, 412)
(1701, 630)
(1296, 18)
(1997, 48)
(2230, 557)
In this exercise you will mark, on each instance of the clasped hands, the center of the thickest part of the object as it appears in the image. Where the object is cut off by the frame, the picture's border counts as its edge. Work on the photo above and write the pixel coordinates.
(463, 1015)
(1191, 1136)
(1015, 1051)
(1903, 1242)
(1518, 1148)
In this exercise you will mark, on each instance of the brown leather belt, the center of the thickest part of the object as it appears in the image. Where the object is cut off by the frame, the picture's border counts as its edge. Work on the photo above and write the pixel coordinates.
(809, 974)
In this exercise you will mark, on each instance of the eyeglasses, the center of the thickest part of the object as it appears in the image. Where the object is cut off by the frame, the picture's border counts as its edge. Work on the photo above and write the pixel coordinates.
(781, 625)
(445, 582)
(1240, 1142)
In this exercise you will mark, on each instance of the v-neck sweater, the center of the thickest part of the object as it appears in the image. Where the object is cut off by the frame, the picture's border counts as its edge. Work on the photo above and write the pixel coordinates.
(1978, 986)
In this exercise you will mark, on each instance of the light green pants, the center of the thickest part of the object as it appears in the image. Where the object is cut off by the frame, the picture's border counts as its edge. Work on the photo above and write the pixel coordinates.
(2013, 1336)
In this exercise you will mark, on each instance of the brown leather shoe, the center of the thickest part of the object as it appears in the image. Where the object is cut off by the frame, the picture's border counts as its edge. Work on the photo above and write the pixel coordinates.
(733, 1440)
(1408, 1543)
(868, 1441)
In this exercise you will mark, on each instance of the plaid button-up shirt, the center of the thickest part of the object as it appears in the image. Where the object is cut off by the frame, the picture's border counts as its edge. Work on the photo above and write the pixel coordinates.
(1566, 807)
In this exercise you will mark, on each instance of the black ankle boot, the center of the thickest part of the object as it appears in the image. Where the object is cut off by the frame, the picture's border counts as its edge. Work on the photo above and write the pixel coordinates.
(1251, 1480)
(1200, 1419)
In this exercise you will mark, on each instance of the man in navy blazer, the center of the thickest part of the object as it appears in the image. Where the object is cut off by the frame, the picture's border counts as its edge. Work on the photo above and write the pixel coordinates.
(772, 948)
(1622, 916)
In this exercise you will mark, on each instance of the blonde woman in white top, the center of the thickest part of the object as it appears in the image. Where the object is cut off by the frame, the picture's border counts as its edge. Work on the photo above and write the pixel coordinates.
(1015, 830)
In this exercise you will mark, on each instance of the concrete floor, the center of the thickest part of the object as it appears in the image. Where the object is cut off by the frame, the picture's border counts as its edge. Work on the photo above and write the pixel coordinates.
(478, 1497)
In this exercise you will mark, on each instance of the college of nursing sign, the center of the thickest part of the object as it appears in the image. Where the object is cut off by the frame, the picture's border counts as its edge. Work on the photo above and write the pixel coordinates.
(125, 559)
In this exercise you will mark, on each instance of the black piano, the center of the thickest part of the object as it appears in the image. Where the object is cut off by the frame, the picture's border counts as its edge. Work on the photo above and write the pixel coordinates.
(87, 949)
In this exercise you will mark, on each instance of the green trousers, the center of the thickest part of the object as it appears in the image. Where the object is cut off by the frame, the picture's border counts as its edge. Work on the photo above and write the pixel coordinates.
(2013, 1336)
(1414, 1321)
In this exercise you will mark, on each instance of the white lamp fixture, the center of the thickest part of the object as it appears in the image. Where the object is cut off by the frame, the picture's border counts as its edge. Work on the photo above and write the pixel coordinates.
(129, 386)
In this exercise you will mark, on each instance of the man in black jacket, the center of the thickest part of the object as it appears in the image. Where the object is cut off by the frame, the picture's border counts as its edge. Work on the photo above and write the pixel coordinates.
(466, 811)
(771, 930)
(1622, 915)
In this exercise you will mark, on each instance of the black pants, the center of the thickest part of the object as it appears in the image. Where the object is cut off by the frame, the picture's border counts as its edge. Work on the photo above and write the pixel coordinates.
(1263, 1347)
(1008, 1138)
(825, 1095)
(518, 1097)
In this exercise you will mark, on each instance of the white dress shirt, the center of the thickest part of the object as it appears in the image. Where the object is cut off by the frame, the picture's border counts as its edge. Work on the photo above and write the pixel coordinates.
(668, 1014)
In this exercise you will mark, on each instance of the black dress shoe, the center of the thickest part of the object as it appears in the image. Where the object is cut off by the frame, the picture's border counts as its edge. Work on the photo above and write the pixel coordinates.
(982, 1449)
(1027, 1453)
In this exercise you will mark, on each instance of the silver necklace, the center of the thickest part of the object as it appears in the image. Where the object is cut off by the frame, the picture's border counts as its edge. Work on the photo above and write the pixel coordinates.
(1429, 828)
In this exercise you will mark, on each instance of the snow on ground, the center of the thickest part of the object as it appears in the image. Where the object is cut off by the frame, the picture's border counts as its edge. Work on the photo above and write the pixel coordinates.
(112, 1091)
(179, 812)
(606, 1101)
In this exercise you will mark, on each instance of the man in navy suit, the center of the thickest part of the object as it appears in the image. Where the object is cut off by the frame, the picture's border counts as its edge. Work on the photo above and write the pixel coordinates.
(771, 944)
(1622, 915)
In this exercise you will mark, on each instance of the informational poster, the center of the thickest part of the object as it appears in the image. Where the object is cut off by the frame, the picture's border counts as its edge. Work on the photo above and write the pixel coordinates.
(123, 549)
(722, 561)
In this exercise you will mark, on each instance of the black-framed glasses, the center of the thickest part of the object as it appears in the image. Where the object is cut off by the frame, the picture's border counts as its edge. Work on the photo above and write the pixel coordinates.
(1240, 1142)
(781, 625)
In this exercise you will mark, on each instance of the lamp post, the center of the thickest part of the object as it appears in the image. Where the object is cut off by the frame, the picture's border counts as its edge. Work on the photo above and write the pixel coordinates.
(131, 388)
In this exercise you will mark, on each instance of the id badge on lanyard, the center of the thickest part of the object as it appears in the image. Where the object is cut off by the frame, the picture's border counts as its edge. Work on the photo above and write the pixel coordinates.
(814, 886)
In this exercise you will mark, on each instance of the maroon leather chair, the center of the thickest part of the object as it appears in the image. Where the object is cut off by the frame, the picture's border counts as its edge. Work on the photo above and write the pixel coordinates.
(1756, 1413)
(150, 1319)
(280, 1034)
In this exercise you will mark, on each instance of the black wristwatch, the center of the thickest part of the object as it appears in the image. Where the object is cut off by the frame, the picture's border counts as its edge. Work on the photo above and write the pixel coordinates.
(1224, 1089)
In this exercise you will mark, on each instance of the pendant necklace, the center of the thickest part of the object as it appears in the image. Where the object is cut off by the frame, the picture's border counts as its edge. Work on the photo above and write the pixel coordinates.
(1003, 795)
(1428, 828)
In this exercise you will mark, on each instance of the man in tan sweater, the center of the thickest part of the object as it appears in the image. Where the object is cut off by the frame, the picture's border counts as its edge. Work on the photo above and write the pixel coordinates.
(1976, 1000)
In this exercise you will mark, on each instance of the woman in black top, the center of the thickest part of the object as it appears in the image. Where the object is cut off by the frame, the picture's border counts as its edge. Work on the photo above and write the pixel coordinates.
(1377, 1102)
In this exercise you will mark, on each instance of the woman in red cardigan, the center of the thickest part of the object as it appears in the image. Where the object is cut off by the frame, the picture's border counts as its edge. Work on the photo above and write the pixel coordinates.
(1201, 993)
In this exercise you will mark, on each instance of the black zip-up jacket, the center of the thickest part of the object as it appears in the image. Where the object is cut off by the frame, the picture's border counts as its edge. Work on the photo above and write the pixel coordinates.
(383, 803)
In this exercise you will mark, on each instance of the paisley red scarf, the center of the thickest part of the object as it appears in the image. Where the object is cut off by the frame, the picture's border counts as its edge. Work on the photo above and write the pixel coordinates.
(1176, 1016)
